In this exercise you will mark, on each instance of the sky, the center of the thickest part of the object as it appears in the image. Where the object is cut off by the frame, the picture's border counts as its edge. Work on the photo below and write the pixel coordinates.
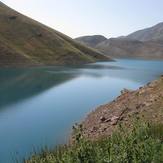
(111, 18)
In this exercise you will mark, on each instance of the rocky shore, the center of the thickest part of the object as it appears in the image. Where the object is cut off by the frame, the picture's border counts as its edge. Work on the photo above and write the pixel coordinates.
(145, 103)
(134, 142)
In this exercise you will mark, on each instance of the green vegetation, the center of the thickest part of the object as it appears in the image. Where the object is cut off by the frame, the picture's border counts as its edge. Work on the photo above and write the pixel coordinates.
(25, 42)
(142, 143)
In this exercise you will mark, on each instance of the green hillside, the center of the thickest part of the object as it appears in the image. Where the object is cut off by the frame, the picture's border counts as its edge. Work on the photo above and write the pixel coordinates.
(25, 42)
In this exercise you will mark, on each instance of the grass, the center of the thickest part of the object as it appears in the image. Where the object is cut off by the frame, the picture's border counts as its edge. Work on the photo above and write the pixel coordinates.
(141, 144)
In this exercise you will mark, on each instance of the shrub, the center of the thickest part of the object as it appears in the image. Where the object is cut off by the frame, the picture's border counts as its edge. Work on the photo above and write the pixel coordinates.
(141, 144)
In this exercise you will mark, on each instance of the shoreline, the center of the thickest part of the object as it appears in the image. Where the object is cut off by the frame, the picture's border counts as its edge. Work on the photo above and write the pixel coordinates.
(145, 103)
(40, 65)
(111, 132)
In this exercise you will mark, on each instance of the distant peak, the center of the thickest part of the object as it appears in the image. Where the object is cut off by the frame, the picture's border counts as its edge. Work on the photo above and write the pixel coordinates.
(91, 40)
(92, 36)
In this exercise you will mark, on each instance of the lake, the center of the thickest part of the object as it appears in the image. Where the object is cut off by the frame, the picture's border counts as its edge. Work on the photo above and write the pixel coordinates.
(38, 106)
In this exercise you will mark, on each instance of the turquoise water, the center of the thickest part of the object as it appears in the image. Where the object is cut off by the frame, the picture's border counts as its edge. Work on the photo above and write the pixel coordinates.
(38, 106)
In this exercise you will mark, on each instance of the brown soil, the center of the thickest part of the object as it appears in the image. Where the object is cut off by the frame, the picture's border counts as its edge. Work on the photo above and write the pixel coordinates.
(145, 103)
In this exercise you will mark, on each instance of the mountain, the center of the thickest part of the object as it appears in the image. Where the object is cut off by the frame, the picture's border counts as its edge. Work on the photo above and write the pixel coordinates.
(91, 40)
(125, 48)
(147, 44)
(26, 42)
(152, 33)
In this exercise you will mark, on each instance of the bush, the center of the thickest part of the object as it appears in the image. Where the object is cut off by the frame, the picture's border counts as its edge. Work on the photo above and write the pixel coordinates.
(141, 144)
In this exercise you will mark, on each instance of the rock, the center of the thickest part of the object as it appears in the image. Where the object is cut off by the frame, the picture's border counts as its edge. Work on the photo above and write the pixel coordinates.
(153, 84)
(141, 91)
(146, 104)
(148, 83)
(121, 118)
(94, 129)
(154, 116)
(143, 104)
(104, 129)
(102, 119)
(108, 120)
(125, 91)
(138, 106)
(136, 112)
(114, 120)
(140, 88)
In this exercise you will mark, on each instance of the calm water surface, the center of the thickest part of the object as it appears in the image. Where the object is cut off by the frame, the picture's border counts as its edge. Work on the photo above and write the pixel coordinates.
(38, 106)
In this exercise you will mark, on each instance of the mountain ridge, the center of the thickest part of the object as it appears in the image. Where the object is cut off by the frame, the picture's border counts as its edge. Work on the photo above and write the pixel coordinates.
(146, 44)
(91, 40)
(148, 34)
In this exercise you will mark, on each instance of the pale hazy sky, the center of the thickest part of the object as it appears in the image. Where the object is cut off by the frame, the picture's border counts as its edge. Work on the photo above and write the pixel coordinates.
(75, 18)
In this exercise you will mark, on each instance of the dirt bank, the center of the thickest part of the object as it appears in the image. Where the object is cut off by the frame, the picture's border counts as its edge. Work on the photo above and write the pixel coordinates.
(145, 103)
